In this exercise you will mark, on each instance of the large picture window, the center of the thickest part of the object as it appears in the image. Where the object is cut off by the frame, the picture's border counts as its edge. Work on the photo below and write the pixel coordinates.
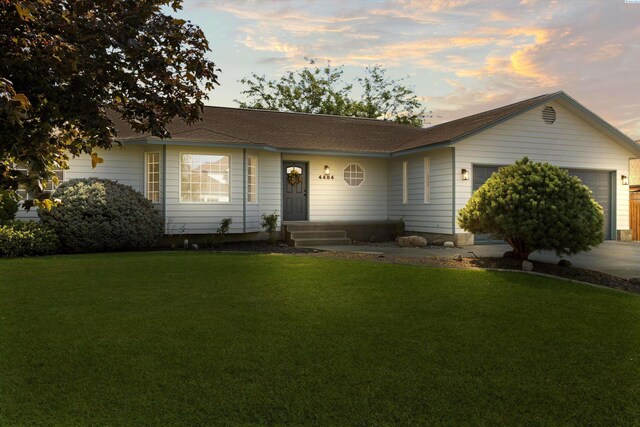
(152, 187)
(252, 179)
(204, 178)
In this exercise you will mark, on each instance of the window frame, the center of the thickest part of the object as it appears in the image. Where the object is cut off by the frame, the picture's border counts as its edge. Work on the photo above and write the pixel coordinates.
(25, 195)
(200, 153)
(427, 180)
(405, 182)
(255, 159)
(146, 176)
(364, 174)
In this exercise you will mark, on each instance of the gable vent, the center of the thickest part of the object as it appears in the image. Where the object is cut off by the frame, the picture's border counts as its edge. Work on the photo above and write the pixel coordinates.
(549, 115)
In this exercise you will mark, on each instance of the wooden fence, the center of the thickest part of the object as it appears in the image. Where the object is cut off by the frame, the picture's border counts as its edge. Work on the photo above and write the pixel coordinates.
(634, 215)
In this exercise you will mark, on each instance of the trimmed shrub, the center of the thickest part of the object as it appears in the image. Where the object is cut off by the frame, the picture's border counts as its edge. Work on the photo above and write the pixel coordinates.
(269, 224)
(24, 238)
(535, 206)
(8, 207)
(102, 215)
(223, 229)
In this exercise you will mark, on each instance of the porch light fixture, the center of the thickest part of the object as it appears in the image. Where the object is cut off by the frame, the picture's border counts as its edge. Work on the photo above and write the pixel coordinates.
(327, 173)
(465, 175)
(624, 179)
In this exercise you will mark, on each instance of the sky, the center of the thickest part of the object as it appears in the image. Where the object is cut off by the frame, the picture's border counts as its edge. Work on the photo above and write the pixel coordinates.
(461, 57)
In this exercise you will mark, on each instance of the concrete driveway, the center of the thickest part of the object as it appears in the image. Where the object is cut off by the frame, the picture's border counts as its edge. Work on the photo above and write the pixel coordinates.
(618, 258)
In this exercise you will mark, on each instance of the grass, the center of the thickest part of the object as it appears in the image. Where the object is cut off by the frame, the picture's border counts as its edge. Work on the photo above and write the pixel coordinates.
(201, 338)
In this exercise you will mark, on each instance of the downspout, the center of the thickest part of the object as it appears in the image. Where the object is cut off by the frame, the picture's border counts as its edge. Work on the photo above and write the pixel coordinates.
(244, 190)
(164, 186)
(453, 185)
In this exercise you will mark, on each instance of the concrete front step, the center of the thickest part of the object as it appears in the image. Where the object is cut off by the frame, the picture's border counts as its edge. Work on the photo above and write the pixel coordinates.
(321, 241)
(295, 235)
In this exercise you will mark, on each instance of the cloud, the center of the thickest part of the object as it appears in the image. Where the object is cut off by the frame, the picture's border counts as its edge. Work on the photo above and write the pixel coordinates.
(464, 55)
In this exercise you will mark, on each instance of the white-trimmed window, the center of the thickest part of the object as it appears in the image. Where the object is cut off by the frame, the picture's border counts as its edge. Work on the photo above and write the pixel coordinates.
(204, 178)
(427, 180)
(152, 177)
(405, 183)
(252, 179)
(353, 175)
(50, 187)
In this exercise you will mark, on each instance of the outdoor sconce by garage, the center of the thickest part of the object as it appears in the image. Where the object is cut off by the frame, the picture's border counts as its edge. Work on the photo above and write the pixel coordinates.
(624, 179)
(465, 175)
(327, 173)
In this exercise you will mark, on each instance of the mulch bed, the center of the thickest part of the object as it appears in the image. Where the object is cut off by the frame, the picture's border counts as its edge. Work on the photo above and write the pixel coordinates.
(262, 247)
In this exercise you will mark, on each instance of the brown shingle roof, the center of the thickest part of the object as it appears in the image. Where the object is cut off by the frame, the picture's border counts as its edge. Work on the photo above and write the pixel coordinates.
(299, 131)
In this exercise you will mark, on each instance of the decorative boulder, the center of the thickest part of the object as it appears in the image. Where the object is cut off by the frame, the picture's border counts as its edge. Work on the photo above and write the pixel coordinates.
(412, 242)
(449, 245)
(438, 242)
(527, 265)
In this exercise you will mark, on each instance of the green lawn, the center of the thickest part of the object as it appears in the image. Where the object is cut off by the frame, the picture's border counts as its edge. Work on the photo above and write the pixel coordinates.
(201, 338)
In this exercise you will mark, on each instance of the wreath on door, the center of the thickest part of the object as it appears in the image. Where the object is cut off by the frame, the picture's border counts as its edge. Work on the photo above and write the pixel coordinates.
(294, 177)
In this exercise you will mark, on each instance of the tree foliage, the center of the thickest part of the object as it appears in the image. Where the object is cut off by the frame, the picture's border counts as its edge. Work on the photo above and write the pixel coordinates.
(65, 63)
(535, 206)
(323, 90)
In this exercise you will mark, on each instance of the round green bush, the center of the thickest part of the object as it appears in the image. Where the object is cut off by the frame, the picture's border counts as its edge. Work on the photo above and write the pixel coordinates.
(535, 206)
(102, 215)
(24, 238)
(8, 207)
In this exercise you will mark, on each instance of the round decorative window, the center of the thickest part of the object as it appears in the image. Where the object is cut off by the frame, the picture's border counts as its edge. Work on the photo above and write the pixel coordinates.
(548, 115)
(353, 175)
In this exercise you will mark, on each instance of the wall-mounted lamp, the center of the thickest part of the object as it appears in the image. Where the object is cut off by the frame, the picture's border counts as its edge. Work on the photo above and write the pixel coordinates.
(465, 175)
(624, 179)
(327, 173)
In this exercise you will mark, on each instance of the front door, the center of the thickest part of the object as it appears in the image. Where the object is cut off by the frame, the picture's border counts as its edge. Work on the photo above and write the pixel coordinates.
(295, 191)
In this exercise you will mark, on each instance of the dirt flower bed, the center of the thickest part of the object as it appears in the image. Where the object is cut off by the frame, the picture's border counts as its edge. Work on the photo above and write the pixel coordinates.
(262, 247)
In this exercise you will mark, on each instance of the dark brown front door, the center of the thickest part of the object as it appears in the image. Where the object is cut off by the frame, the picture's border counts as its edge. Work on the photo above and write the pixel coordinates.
(295, 195)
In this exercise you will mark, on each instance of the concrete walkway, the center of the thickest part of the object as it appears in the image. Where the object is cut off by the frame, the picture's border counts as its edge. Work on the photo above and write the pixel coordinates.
(618, 258)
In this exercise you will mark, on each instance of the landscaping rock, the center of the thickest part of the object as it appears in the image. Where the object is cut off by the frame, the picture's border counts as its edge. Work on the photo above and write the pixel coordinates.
(457, 257)
(412, 242)
(527, 265)
(438, 242)
(564, 263)
(508, 254)
(195, 246)
(449, 245)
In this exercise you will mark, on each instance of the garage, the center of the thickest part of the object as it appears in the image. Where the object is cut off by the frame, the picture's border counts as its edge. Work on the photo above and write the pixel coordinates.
(598, 181)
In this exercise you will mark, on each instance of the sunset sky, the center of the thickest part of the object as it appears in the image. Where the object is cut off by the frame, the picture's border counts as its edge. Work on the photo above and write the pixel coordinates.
(461, 56)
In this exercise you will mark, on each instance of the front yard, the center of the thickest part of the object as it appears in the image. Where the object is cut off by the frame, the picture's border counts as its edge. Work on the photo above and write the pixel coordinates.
(202, 338)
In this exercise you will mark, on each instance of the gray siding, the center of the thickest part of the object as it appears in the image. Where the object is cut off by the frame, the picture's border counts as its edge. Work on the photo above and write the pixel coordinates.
(570, 142)
(334, 200)
(432, 217)
(122, 164)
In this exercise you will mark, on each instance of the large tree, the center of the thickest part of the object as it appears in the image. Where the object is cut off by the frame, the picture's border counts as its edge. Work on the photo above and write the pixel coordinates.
(323, 90)
(64, 64)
